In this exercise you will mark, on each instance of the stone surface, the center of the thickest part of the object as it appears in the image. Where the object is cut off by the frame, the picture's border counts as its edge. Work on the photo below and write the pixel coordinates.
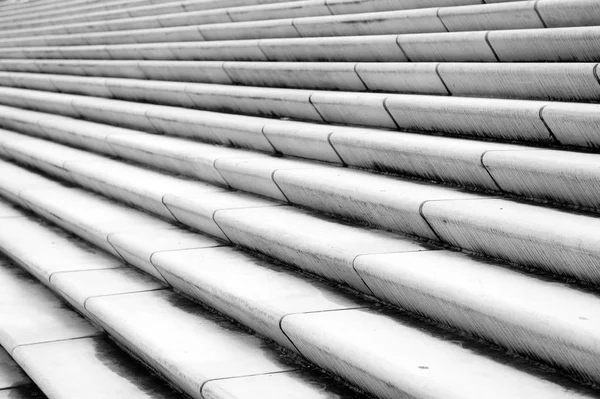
(143, 320)
(257, 101)
(197, 212)
(397, 360)
(69, 208)
(477, 117)
(314, 244)
(254, 292)
(93, 367)
(256, 176)
(376, 48)
(376, 23)
(185, 71)
(304, 140)
(556, 13)
(55, 250)
(401, 77)
(31, 314)
(548, 81)
(437, 158)
(378, 201)
(352, 108)
(77, 287)
(515, 310)
(573, 124)
(553, 240)
(513, 15)
(318, 75)
(11, 375)
(447, 47)
(137, 248)
(578, 44)
(559, 176)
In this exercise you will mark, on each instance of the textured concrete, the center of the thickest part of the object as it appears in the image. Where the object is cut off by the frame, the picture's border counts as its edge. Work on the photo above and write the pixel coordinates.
(378, 201)
(416, 365)
(578, 44)
(70, 210)
(137, 248)
(292, 385)
(249, 30)
(380, 23)
(447, 47)
(573, 124)
(257, 175)
(513, 15)
(316, 244)
(11, 375)
(436, 158)
(551, 81)
(176, 155)
(322, 76)
(553, 240)
(56, 251)
(352, 108)
(77, 288)
(516, 310)
(558, 176)
(212, 127)
(331, 49)
(476, 117)
(401, 77)
(358, 6)
(258, 101)
(234, 283)
(185, 71)
(93, 367)
(37, 316)
(131, 184)
(144, 319)
(302, 140)
(556, 13)
(199, 212)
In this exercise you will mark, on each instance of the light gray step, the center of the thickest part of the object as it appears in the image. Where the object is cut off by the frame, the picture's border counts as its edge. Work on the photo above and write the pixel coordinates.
(542, 122)
(43, 7)
(502, 16)
(174, 352)
(396, 205)
(303, 8)
(91, 14)
(62, 353)
(415, 347)
(559, 176)
(264, 227)
(14, 383)
(552, 81)
(577, 44)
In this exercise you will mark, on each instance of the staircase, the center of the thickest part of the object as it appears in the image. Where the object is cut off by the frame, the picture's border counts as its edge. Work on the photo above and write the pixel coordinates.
(310, 199)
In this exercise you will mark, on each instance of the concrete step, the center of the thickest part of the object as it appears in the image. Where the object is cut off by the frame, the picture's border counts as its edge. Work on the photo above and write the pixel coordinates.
(173, 354)
(539, 122)
(308, 341)
(576, 44)
(62, 353)
(14, 383)
(517, 170)
(400, 206)
(99, 13)
(270, 223)
(501, 16)
(549, 81)
(304, 8)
